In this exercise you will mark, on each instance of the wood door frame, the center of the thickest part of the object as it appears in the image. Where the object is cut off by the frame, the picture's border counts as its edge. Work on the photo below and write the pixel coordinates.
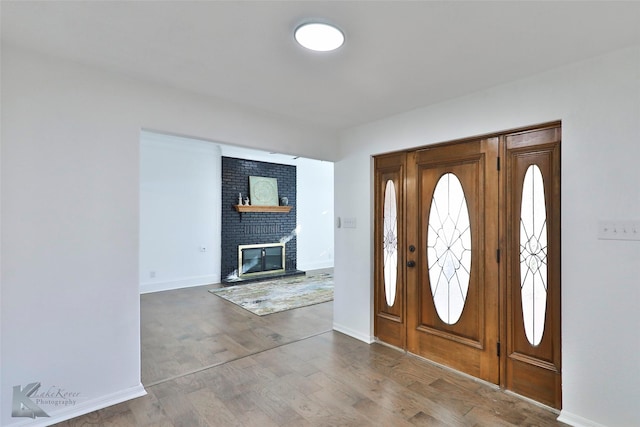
(502, 223)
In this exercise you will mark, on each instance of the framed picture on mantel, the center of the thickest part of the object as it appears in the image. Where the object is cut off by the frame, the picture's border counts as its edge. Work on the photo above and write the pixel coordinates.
(263, 191)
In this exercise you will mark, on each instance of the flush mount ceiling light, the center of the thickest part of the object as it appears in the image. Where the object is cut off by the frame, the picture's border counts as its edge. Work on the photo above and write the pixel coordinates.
(319, 36)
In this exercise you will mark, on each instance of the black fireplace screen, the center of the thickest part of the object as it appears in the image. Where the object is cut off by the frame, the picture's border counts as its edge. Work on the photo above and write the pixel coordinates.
(258, 259)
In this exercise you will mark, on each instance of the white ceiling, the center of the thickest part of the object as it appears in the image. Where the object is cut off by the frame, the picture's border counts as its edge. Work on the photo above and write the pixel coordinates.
(398, 55)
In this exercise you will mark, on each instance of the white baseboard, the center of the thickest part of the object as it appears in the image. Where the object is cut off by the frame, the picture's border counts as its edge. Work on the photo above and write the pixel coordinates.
(354, 334)
(187, 282)
(83, 408)
(317, 265)
(576, 420)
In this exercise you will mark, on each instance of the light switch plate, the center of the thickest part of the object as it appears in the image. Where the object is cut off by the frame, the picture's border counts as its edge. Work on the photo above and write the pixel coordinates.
(348, 223)
(619, 230)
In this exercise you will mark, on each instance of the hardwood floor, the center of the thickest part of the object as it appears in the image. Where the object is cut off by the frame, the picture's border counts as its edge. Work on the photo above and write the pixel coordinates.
(207, 362)
(191, 329)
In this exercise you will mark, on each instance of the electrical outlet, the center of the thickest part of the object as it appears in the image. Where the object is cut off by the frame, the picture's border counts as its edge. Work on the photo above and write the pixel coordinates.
(619, 230)
(203, 249)
(152, 274)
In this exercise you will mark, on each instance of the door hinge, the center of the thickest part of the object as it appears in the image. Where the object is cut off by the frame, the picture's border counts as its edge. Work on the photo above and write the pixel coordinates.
(497, 255)
(498, 163)
(498, 348)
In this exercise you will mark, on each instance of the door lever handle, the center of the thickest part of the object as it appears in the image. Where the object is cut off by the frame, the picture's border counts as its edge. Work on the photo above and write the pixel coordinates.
(411, 263)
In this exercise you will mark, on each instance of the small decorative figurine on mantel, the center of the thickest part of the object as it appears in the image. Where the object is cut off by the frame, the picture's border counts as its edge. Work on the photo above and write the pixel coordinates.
(239, 199)
(246, 201)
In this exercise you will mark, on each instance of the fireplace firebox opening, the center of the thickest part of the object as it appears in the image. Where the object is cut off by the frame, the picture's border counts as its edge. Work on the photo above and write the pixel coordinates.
(265, 258)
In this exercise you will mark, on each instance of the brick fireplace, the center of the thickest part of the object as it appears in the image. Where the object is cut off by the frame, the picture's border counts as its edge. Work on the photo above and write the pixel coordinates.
(258, 229)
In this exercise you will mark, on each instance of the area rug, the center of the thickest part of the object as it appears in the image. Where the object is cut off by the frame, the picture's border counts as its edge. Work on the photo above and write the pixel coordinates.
(272, 296)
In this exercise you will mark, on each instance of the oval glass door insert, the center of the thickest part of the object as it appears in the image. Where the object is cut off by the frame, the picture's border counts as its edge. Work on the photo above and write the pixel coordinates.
(390, 242)
(449, 248)
(533, 254)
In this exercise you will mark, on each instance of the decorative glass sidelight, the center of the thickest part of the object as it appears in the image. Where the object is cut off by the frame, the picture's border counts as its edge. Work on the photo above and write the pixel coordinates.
(533, 254)
(390, 242)
(449, 248)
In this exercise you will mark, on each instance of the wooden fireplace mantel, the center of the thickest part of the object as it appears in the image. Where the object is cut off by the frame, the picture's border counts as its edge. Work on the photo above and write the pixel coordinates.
(242, 208)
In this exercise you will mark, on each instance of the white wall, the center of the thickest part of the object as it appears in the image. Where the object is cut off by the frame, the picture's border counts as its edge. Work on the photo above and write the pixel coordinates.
(180, 191)
(315, 214)
(70, 217)
(598, 102)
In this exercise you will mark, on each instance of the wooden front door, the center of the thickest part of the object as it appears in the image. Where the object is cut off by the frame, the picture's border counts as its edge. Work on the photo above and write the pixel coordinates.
(452, 279)
(467, 257)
